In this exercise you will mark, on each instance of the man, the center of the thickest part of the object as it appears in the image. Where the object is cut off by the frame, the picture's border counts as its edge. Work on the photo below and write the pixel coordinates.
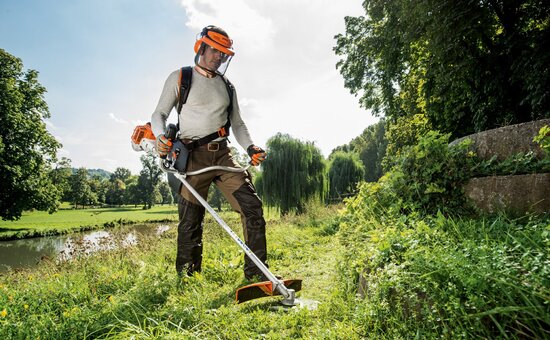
(208, 110)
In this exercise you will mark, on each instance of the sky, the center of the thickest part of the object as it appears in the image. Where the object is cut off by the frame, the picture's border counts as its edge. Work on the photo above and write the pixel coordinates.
(104, 64)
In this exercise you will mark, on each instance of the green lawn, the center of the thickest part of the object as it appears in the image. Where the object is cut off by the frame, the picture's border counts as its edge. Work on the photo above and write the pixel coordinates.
(69, 220)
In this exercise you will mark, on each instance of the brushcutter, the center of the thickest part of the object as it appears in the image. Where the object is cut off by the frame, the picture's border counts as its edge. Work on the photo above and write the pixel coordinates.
(174, 164)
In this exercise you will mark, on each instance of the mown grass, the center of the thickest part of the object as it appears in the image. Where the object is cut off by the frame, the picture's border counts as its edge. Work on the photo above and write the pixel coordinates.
(40, 223)
(135, 293)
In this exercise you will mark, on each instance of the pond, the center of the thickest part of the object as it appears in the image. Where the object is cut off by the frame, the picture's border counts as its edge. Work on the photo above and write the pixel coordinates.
(28, 253)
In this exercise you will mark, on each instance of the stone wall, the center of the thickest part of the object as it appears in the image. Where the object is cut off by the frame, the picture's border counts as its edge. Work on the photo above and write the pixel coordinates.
(508, 140)
(516, 193)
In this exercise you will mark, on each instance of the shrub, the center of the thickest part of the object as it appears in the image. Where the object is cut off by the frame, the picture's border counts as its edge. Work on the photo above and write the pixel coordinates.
(403, 133)
(543, 139)
(426, 178)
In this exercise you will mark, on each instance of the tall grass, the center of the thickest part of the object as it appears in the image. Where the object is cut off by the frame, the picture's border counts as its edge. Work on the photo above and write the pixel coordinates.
(451, 277)
(135, 293)
(376, 276)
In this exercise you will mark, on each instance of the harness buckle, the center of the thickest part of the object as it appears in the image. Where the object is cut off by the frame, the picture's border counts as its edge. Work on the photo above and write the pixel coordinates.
(222, 132)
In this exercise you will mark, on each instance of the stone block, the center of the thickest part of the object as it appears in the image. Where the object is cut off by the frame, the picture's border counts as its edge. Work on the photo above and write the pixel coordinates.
(513, 194)
(508, 140)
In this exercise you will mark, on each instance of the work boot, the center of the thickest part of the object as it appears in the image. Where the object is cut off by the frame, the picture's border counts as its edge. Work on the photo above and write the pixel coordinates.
(189, 254)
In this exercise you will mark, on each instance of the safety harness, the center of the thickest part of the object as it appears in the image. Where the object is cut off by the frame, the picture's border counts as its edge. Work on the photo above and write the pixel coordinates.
(186, 74)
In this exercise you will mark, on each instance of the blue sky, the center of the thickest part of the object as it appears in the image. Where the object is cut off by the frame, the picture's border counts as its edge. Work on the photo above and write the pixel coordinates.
(104, 64)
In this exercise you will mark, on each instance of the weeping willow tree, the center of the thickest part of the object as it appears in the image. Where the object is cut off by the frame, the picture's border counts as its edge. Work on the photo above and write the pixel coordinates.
(293, 173)
(345, 171)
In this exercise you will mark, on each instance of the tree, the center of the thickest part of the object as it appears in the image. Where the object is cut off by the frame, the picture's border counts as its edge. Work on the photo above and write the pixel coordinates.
(61, 176)
(81, 193)
(345, 171)
(27, 149)
(403, 133)
(122, 174)
(99, 186)
(293, 173)
(371, 146)
(165, 193)
(148, 180)
(116, 190)
(467, 65)
(132, 194)
(215, 197)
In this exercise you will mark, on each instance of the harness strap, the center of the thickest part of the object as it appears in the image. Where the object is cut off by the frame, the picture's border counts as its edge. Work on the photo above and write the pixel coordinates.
(186, 74)
(185, 86)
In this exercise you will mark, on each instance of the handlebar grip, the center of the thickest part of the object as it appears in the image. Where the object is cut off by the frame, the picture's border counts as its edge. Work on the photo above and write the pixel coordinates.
(171, 132)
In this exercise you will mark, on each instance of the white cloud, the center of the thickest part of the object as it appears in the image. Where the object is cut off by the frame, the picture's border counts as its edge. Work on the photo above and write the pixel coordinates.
(116, 119)
(243, 20)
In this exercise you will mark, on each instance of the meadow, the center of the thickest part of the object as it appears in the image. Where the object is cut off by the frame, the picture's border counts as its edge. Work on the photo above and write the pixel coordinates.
(135, 292)
(373, 276)
(41, 223)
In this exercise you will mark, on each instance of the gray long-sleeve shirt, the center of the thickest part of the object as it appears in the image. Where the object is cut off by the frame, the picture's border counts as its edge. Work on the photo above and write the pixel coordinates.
(204, 112)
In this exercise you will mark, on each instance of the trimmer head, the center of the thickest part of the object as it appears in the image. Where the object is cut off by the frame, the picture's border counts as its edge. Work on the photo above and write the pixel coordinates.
(264, 289)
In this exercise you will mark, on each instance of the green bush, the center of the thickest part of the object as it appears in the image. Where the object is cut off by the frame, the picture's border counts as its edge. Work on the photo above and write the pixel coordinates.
(403, 133)
(543, 139)
(442, 277)
(426, 178)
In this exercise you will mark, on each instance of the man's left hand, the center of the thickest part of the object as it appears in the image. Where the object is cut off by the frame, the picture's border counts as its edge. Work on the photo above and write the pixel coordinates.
(257, 154)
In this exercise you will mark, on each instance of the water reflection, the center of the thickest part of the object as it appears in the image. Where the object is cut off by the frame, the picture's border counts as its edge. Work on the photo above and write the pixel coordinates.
(28, 253)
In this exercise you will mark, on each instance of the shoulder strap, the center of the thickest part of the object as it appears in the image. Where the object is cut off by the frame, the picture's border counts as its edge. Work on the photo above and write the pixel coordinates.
(186, 73)
(230, 89)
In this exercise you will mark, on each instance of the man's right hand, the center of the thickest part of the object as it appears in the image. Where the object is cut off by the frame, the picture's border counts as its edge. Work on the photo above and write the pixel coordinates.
(163, 145)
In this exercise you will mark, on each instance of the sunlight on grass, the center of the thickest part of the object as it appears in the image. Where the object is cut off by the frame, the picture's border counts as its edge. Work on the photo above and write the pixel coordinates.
(40, 222)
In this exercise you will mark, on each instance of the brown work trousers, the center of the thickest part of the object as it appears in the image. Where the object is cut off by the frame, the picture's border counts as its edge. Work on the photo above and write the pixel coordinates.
(241, 195)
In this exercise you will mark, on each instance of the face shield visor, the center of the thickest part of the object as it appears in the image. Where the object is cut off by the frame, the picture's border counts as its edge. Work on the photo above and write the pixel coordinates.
(214, 52)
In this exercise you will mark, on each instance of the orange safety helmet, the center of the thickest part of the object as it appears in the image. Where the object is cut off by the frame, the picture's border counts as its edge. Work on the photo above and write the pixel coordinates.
(219, 40)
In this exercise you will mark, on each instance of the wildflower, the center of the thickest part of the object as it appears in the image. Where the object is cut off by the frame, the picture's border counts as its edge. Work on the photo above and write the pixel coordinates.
(4, 313)
(26, 306)
(111, 298)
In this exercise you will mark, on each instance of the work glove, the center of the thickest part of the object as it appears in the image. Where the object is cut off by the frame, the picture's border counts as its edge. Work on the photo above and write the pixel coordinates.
(163, 145)
(257, 154)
